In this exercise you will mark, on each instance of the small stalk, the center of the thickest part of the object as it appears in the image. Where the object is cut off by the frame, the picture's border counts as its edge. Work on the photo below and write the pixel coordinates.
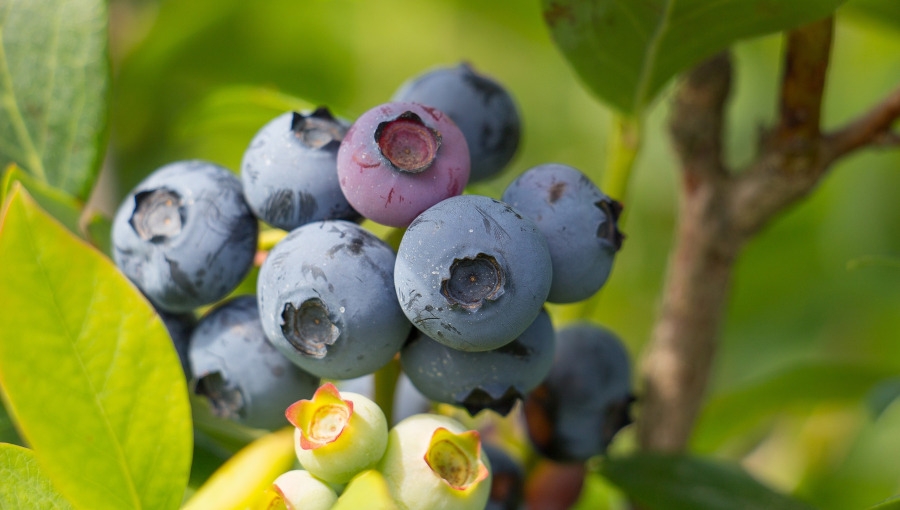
(385, 387)
(623, 145)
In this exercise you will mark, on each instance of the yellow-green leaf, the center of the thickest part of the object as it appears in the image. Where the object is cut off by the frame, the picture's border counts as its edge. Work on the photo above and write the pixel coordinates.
(25, 486)
(243, 479)
(87, 370)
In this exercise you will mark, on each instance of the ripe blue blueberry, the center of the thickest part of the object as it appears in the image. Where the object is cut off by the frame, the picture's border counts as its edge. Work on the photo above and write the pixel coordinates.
(185, 235)
(472, 273)
(493, 379)
(239, 372)
(579, 222)
(482, 108)
(584, 401)
(399, 159)
(326, 298)
(289, 170)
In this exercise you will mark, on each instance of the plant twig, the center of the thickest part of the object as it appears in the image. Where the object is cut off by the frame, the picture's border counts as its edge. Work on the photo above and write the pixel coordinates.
(720, 211)
(677, 366)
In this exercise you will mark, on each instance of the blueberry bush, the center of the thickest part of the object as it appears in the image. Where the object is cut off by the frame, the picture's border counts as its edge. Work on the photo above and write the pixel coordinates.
(586, 254)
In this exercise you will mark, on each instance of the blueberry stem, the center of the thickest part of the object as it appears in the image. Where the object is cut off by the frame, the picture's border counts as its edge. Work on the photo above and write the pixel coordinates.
(623, 145)
(385, 387)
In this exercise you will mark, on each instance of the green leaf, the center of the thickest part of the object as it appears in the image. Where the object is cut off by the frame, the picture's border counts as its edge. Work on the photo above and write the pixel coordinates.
(87, 369)
(25, 486)
(8, 432)
(626, 51)
(54, 82)
(886, 12)
(883, 395)
(888, 504)
(681, 482)
(62, 206)
(734, 413)
(240, 482)
(99, 233)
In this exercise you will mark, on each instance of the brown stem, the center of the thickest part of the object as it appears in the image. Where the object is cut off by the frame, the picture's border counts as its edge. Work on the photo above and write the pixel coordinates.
(717, 216)
(677, 366)
(872, 128)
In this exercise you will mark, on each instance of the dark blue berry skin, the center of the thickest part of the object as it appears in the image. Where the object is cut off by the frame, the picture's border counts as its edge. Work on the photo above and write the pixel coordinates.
(482, 108)
(507, 482)
(326, 300)
(242, 375)
(579, 222)
(289, 170)
(493, 379)
(472, 273)
(185, 235)
(584, 401)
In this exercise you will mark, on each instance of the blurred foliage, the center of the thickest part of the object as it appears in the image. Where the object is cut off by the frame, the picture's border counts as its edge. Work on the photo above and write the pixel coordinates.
(806, 339)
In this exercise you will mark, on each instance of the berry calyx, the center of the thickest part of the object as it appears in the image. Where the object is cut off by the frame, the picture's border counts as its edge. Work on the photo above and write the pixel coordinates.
(455, 458)
(338, 434)
(322, 419)
(408, 143)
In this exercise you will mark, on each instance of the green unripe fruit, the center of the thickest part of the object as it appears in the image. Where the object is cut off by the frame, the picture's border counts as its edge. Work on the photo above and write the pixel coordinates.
(337, 434)
(298, 490)
(433, 463)
(366, 490)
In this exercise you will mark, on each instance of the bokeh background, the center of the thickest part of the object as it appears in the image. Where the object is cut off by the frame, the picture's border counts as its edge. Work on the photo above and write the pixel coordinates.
(809, 363)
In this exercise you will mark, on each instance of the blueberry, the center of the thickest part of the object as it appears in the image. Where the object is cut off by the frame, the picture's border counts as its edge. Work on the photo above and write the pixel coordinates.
(579, 222)
(289, 170)
(482, 108)
(472, 273)
(493, 379)
(185, 236)
(399, 159)
(326, 298)
(575, 412)
(433, 462)
(242, 375)
(508, 483)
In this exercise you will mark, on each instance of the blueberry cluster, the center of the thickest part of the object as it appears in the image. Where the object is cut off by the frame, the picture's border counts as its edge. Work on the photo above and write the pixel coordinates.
(461, 301)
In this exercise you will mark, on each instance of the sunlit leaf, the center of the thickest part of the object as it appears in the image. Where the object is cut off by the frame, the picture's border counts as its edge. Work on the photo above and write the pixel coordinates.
(241, 481)
(87, 369)
(680, 482)
(25, 486)
(626, 51)
(54, 80)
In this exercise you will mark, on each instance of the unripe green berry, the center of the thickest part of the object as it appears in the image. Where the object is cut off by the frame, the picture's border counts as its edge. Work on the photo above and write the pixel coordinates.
(298, 490)
(366, 490)
(433, 463)
(337, 434)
